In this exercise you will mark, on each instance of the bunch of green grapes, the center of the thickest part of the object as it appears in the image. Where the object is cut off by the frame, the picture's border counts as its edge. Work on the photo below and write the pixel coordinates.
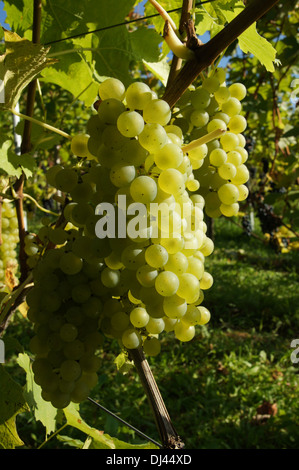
(104, 272)
(219, 166)
(65, 306)
(10, 239)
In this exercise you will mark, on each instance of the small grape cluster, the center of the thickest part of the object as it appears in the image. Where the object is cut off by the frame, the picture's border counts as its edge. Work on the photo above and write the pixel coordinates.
(247, 225)
(102, 273)
(268, 219)
(219, 166)
(10, 239)
(65, 305)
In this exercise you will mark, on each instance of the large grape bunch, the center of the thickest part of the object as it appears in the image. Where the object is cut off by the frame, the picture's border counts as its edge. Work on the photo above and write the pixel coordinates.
(8, 247)
(103, 275)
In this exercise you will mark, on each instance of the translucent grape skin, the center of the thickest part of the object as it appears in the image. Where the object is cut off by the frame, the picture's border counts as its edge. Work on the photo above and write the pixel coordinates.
(130, 123)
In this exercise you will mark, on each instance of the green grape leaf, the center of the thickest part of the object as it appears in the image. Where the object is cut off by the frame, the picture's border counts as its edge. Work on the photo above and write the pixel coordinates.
(70, 441)
(122, 363)
(20, 14)
(20, 64)
(12, 402)
(251, 42)
(213, 17)
(159, 69)
(74, 419)
(145, 44)
(42, 410)
(99, 439)
(83, 59)
(74, 72)
(207, 21)
(14, 164)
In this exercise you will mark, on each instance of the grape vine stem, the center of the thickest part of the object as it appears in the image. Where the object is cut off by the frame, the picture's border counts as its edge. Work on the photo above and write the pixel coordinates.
(42, 124)
(25, 195)
(168, 435)
(206, 54)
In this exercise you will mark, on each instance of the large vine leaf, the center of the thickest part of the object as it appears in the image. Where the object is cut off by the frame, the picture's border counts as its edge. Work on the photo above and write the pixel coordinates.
(213, 17)
(251, 42)
(42, 410)
(74, 71)
(82, 61)
(20, 64)
(12, 403)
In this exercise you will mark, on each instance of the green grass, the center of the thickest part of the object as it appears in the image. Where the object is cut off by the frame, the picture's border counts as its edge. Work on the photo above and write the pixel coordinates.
(214, 385)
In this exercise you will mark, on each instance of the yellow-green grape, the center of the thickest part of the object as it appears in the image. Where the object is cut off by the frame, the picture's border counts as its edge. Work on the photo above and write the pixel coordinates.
(174, 306)
(234, 157)
(166, 283)
(184, 332)
(139, 317)
(156, 256)
(143, 189)
(238, 91)
(10, 238)
(151, 346)
(198, 153)
(229, 210)
(199, 118)
(205, 315)
(200, 98)
(170, 156)
(130, 123)
(110, 109)
(222, 94)
(231, 107)
(188, 287)
(155, 326)
(192, 185)
(215, 124)
(138, 95)
(237, 124)
(158, 112)
(220, 73)
(218, 157)
(211, 84)
(112, 88)
(229, 141)
(227, 171)
(79, 146)
(206, 281)
(241, 176)
(171, 181)
(243, 192)
(131, 339)
(228, 193)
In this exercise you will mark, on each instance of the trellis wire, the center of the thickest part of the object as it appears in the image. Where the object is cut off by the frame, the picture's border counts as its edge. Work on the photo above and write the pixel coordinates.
(135, 20)
(140, 433)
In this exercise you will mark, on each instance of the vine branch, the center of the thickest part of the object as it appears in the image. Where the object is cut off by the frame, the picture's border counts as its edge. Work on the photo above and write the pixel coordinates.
(207, 53)
(26, 145)
(168, 435)
(18, 295)
(177, 62)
